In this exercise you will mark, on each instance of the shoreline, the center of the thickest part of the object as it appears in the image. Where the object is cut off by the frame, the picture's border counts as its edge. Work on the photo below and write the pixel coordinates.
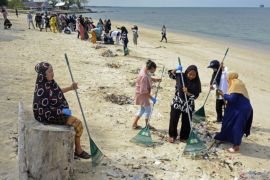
(212, 39)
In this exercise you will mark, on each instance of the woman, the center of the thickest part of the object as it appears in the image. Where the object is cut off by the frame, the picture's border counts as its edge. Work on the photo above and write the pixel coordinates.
(143, 93)
(51, 107)
(135, 34)
(238, 113)
(163, 33)
(179, 106)
(124, 37)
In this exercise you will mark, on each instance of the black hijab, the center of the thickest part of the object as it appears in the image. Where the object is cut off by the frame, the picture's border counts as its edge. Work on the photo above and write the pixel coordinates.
(194, 86)
(49, 99)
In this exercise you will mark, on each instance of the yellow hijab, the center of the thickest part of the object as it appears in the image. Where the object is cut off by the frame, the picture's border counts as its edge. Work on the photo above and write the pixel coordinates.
(236, 85)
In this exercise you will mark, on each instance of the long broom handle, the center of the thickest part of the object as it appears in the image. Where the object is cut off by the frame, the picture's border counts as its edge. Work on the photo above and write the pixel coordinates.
(77, 95)
(216, 76)
(183, 83)
(155, 96)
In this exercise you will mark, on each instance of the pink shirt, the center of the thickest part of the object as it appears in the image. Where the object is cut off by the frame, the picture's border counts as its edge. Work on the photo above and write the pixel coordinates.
(143, 88)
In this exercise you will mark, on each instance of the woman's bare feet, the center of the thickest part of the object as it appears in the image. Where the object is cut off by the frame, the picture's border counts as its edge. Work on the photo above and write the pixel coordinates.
(170, 140)
(234, 149)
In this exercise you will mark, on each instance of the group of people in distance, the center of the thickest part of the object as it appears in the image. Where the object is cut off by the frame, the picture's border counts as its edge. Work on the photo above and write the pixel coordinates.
(233, 105)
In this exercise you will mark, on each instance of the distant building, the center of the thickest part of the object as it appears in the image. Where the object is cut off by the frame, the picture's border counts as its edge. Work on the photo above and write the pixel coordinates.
(38, 5)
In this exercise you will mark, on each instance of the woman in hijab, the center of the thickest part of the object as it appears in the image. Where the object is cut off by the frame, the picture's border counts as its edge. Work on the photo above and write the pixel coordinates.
(238, 113)
(179, 106)
(51, 107)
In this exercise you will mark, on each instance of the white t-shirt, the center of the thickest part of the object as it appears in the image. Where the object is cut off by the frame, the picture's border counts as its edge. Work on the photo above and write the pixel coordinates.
(223, 85)
(114, 33)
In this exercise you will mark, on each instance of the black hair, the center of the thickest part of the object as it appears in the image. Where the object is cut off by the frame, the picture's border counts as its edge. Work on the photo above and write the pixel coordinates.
(150, 64)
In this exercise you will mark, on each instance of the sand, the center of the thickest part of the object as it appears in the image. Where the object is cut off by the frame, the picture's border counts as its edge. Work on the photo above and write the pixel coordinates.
(110, 124)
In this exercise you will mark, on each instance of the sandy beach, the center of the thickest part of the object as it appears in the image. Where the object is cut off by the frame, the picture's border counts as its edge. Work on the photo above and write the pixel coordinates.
(110, 123)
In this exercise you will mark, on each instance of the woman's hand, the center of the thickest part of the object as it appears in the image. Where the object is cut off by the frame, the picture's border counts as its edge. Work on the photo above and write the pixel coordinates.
(220, 93)
(74, 86)
(185, 90)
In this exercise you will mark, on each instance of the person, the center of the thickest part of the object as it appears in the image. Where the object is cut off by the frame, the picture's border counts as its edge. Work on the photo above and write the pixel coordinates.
(7, 24)
(108, 26)
(143, 93)
(179, 105)
(16, 11)
(238, 114)
(124, 38)
(50, 105)
(108, 39)
(5, 13)
(163, 33)
(116, 34)
(221, 83)
(93, 36)
(135, 34)
(53, 24)
(47, 22)
(66, 30)
(78, 27)
(30, 20)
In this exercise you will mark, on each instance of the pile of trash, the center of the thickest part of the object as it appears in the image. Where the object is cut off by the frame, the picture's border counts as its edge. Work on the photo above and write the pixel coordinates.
(113, 65)
(119, 99)
(108, 53)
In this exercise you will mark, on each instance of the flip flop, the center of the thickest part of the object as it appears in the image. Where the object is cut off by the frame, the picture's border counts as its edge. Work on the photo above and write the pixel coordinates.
(136, 127)
(152, 128)
(83, 155)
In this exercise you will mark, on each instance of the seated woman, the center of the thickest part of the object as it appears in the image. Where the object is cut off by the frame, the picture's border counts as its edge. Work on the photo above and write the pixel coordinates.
(51, 107)
(179, 106)
(238, 113)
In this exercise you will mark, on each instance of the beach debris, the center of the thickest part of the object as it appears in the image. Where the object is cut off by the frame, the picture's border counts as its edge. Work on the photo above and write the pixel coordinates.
(160, 47)
(264, 175)
(119, 99)
(113, 65)
(108, 53)
(135, 71)
(98, 46)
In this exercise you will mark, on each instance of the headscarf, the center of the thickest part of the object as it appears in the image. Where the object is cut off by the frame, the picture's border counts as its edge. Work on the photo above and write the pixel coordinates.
(49, 99)
(194, 86)
(236, 85)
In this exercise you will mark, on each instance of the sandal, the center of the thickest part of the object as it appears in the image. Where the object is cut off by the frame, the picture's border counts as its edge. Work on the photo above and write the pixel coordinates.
(136, 127)
(83, 155)
(183, 140)
(152, 128)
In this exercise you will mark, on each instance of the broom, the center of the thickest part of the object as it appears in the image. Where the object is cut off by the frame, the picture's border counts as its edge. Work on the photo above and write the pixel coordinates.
(144, 136)
(199, 115)
(95, 153)
(194, 145)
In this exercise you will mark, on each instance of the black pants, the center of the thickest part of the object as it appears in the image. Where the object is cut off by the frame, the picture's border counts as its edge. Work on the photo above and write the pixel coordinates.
(220, 106)
(163, 37)
(185, 127)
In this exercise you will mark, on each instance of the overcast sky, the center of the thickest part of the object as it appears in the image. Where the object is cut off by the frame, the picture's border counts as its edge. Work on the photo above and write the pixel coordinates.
(180, 3)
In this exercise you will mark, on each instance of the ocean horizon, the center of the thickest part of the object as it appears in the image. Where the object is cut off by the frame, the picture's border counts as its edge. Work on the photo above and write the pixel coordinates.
(249, 26)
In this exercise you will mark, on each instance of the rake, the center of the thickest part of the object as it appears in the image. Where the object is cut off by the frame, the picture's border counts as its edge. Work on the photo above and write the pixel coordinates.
(95, 152)
(199, 115)
(144, 136)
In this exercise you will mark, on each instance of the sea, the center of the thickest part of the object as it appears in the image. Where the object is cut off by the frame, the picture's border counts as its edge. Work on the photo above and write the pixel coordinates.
(246, 26)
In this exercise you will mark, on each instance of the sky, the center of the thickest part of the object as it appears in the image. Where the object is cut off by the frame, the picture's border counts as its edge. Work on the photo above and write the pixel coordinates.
(180, 3)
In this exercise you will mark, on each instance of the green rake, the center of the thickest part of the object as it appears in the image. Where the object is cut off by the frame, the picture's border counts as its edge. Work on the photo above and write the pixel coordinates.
(199, 115)
(144, 136)
(194, 146)
(95, 152)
